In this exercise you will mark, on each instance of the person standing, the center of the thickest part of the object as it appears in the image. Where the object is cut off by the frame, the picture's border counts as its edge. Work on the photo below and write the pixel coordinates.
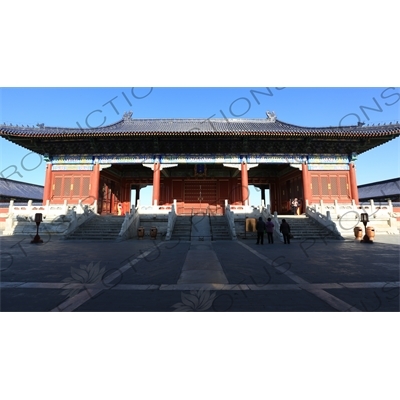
(299, 205)
(295, 205)
(285, 230)
(269, 227)
(260, 227)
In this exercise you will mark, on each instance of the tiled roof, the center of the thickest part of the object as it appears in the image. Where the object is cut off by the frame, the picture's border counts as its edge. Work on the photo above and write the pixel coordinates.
(381, 189)
(201, 127)
(11, 188)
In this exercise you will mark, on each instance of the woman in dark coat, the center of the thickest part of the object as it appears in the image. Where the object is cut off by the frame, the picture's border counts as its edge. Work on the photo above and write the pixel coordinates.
(260, 227)
(285, 230)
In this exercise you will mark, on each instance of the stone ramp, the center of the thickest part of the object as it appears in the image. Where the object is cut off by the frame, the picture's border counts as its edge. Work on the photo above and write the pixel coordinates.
(201, 228)
(202, 266)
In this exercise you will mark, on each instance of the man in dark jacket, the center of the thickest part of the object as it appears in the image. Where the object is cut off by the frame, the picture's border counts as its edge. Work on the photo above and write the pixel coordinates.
(285, 230)
(260, 227)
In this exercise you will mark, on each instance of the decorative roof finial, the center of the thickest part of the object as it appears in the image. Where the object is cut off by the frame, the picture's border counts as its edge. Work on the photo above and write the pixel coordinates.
(271, 116)
(128, 116)
(41, 126)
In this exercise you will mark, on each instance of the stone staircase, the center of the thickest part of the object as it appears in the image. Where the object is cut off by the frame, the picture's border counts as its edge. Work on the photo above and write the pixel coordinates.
(183, 228)
(203, 228)
(98, 228)
(303, 227)
(219, 228)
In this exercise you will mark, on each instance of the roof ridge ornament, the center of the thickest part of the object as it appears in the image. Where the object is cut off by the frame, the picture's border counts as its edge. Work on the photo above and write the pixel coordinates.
(271, 116)
(40, 126)
(128, 116)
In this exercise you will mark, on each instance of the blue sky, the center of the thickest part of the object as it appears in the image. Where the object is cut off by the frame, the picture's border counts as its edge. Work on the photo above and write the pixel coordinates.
(73, 107)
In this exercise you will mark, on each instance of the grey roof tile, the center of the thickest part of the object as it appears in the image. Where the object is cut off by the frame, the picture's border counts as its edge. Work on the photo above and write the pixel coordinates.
(11, 188)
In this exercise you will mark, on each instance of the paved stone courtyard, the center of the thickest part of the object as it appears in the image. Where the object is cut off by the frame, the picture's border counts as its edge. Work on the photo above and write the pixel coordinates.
(148, 275)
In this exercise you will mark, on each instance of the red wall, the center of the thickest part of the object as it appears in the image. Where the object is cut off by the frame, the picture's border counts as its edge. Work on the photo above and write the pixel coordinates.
(213, 191)
(71, 186)
(330, 185)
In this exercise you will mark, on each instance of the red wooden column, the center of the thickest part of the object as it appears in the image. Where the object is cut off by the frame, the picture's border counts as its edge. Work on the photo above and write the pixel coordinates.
(306, 184)
(156, 183)
(245, 183)
(95, 182)
(47, 184)
(353, 183)
(137, 195)
(272, 197)
(126, 199)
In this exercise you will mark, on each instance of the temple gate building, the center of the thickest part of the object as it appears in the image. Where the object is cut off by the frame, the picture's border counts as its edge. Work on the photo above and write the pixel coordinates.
(200, 163)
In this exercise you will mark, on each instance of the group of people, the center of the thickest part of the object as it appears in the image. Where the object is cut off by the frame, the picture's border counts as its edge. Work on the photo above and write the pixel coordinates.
(268, 227)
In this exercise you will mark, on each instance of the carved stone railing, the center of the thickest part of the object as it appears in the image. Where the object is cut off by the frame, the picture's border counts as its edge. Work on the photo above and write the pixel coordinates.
(277, 226)
(51, 209)
(76, 220)
(265, 212)
(340, 209)
(130, 225)
(230, 217)
(323, 220)
(57, 219)
(171, 221)
(241, 209)
(347, 216)
(155, 209)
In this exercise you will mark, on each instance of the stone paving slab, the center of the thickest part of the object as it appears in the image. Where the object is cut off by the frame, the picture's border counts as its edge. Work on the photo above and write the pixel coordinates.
(23, 261)
(201, 259)
(143, 276)
(244, 267)
(233, 301)
(202, 266)
(372, 299)
(336, 261)
(199, 276)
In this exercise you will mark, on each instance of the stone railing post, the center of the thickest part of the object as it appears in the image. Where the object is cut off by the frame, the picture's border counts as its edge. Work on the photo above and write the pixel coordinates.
(390, 206)
(171, 221)
(277, 226)
(65, 207)
(95, 206)
(373, 209)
